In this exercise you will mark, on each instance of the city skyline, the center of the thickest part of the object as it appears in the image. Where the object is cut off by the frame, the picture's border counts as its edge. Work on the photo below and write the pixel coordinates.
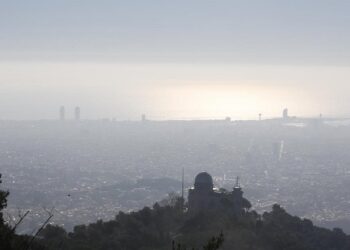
(166, 59)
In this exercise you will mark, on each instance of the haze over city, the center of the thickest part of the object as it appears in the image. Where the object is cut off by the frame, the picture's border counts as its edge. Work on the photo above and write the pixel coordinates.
(189, 59)
(164, 124)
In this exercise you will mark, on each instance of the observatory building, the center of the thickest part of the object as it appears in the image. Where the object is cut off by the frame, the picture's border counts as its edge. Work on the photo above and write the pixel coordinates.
(203, 197)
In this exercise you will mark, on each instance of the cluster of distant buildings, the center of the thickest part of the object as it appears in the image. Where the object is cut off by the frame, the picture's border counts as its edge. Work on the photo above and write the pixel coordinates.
(42, 162)
(77, 112)
(77, 116)
(62, 113)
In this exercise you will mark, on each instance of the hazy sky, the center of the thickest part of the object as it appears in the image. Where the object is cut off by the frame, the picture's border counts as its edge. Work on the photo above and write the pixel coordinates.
(174, 59)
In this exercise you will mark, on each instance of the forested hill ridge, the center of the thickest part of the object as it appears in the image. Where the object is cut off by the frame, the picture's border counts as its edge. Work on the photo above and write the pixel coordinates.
(173, 226)
(157, 227)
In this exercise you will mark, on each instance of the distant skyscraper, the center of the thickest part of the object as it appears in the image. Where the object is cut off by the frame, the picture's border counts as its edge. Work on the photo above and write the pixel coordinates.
(260, 115)
(143, 117)
(62, 113)
(285, 114)
(77, 113)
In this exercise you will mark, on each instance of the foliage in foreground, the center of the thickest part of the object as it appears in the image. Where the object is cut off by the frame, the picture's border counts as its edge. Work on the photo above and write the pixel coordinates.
(155, 228)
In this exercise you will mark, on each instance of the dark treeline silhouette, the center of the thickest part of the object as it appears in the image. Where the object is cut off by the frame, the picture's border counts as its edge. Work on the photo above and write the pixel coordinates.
(170, 227)
(158, 227)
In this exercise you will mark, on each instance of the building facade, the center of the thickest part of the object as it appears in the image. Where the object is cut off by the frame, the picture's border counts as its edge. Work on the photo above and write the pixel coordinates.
(203, 197)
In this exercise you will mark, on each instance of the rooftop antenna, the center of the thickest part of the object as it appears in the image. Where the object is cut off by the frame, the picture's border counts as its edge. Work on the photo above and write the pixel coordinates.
(183, 180)
(237, 182)
(182, 190)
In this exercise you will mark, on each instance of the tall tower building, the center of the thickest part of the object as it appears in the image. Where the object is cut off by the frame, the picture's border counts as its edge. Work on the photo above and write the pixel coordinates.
(77, 113)
(62, 113)
(285, 114)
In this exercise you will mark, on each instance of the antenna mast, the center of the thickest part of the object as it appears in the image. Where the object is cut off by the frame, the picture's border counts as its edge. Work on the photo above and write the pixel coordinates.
(237, 182)
(183, 180)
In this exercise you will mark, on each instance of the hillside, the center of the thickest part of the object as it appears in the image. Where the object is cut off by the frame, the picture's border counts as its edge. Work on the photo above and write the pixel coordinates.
(207, 220)
(157, 227)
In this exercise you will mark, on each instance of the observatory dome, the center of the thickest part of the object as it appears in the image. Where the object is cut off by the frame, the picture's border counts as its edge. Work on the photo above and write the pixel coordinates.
(203, 181)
